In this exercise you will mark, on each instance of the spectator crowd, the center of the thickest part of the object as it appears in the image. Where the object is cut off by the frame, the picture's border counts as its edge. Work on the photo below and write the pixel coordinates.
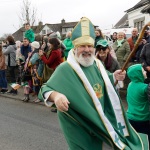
(31, 63)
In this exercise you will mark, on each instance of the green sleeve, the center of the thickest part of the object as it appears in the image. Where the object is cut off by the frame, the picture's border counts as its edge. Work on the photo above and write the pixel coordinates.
(43, 90)
(127, 50)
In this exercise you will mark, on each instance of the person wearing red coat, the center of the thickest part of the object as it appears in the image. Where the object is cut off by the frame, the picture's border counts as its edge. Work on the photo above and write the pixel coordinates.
(54, 56)
(53, 60)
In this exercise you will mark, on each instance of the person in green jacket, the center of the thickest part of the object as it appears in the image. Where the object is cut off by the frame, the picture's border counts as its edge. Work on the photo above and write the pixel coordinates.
(121, 48)
(68, 43)
(138, 98)
(29, 34)
(90, 112)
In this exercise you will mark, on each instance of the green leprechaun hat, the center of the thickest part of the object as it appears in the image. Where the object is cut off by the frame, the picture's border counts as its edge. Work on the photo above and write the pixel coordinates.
(83, 33)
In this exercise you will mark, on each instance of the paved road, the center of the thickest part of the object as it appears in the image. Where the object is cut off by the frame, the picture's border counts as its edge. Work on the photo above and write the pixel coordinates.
(26, 126)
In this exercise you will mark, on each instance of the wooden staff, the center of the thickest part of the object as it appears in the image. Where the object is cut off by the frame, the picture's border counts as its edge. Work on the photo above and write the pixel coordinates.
(135, 48)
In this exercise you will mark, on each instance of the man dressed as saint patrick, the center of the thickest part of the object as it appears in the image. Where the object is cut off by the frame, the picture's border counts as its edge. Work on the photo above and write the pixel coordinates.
(89, 109)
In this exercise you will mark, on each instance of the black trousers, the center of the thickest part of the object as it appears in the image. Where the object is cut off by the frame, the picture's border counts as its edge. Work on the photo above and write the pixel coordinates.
(141, 127)
(12, 76)
(147, 80)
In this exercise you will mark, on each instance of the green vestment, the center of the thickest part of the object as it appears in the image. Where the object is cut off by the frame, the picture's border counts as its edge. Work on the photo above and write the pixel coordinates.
(82, 126)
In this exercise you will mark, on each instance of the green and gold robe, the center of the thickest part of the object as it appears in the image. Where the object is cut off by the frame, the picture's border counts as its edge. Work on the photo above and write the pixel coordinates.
(95, 114)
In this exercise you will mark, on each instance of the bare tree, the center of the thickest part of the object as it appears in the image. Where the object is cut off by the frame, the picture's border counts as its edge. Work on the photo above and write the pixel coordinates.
(28, 13)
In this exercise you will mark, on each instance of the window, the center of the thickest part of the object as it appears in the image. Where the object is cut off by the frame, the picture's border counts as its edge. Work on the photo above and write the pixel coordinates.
(43, 31)
(65, 30)
(49, 31)
(142, 24)
(139, 23)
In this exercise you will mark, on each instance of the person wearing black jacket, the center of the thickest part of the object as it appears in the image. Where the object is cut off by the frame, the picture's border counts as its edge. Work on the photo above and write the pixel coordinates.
(25, 48)
(145, 60)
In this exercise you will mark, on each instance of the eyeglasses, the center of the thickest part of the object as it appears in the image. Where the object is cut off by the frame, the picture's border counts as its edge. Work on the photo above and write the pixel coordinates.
(102, 48)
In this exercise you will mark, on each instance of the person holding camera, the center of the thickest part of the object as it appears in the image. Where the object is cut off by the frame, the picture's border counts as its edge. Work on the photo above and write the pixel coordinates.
(9, 50)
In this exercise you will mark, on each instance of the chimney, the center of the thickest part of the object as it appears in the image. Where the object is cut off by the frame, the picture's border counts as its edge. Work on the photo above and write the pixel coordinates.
(40, 23)
(63, 21)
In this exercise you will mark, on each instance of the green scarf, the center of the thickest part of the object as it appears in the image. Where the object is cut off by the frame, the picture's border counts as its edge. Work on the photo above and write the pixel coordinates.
(119, 43)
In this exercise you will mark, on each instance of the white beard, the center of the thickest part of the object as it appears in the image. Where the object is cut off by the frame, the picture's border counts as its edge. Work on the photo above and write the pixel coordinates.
(85, 61)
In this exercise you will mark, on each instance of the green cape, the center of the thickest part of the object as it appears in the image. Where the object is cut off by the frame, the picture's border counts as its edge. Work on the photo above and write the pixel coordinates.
(81, 124)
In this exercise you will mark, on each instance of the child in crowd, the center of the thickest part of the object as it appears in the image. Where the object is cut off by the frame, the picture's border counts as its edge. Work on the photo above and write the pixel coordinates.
(33, 59)
(37, 81)
(26, 78)
(20, 60)
(36, 65)
(3, 81)
(138, 99)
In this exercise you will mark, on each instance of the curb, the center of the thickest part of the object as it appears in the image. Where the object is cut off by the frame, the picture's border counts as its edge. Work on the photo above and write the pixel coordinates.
(15, 97)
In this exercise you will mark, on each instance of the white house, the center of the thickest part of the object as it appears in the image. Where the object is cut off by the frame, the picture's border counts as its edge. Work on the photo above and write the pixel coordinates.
(46, 29)
(137, 16)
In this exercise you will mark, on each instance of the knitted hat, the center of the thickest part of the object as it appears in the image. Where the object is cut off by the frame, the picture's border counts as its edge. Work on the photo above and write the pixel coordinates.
(83, 33)
(18, 43)
(55, 35)
(102, 42)
(35, 44)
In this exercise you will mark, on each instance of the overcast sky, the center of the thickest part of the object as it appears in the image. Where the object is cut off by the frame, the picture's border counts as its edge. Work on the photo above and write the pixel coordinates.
(104, 13)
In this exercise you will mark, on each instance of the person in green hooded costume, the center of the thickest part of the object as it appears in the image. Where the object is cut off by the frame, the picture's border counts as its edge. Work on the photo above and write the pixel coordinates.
(138, 110)
(89, 109)
(29, 34)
